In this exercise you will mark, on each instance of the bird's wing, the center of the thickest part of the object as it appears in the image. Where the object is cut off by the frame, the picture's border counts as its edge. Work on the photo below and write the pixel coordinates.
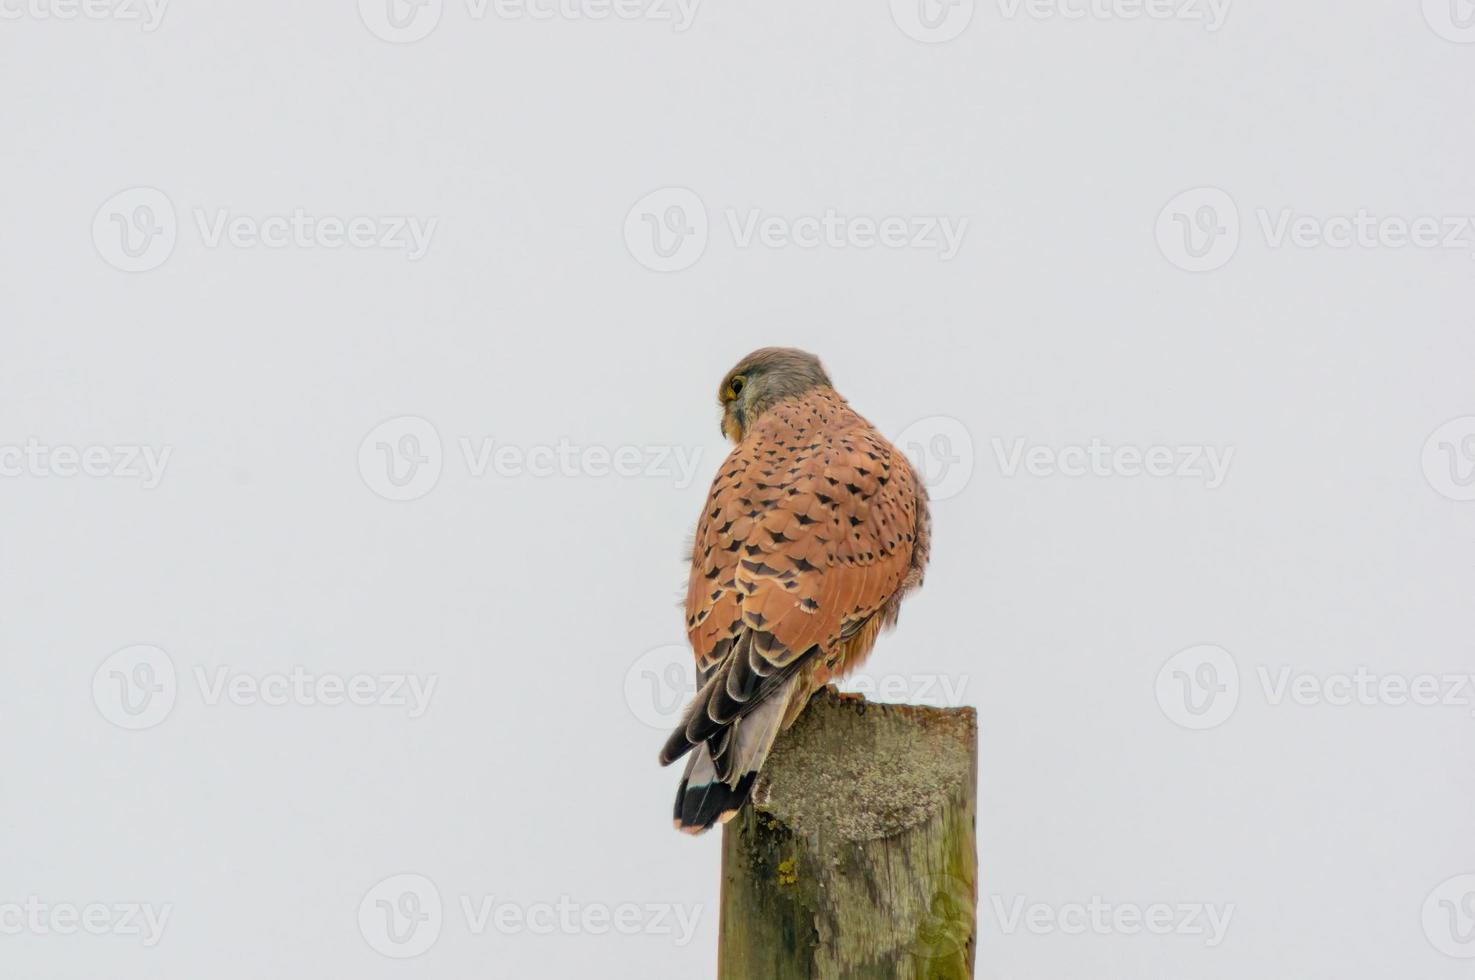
(808, 532)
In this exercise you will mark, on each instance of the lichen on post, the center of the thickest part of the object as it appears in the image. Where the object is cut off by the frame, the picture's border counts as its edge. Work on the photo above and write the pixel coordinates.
(856, 858)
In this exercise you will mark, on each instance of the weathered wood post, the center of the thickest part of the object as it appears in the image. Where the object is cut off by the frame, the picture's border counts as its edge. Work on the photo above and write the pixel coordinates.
(856, 858)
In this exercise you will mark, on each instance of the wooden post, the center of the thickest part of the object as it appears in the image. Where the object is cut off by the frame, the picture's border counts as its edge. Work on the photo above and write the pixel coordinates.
(856, 858)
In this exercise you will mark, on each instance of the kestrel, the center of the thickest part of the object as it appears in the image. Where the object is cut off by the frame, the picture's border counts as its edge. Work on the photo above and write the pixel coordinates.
(814, 530)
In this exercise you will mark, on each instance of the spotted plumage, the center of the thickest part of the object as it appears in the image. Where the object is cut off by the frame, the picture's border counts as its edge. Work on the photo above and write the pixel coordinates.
(814, 529)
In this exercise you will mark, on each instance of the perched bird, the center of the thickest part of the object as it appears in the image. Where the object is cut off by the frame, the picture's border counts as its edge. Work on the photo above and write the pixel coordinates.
(814, 529)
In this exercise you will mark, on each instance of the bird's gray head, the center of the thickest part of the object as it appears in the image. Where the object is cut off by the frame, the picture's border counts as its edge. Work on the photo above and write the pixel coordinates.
(763, 378)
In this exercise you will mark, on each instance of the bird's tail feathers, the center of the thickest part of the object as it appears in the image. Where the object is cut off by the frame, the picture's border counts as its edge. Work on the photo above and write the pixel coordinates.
(721, 771)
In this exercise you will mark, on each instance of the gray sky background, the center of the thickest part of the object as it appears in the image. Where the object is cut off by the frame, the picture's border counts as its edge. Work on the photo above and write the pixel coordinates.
(357, 399)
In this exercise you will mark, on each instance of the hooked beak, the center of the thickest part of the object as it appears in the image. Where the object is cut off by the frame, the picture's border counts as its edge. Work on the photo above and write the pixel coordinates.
(733, 423)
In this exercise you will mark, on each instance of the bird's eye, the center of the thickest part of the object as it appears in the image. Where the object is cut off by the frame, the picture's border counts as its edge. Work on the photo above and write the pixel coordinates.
(735, 386)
